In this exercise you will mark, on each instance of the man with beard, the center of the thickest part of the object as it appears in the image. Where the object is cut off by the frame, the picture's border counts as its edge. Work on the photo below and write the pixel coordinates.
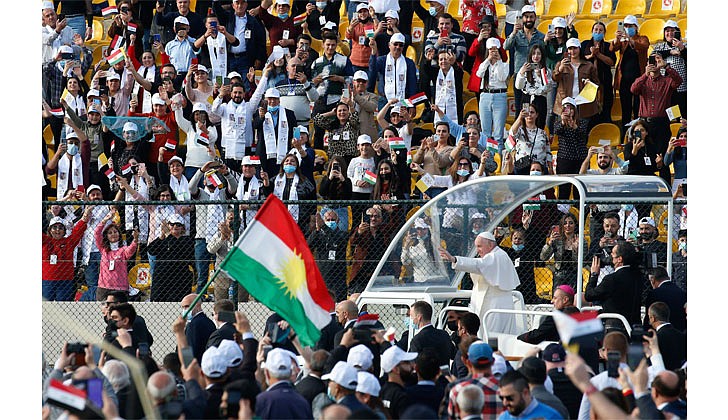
(237, 119)
(138, 325)
(398, 366)
(518, 401)
(606, 156)
(479, 362)
(519, 42)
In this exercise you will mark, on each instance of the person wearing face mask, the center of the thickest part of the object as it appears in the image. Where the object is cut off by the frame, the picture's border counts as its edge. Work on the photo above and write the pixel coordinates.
(198, 328)
(328, 243)
(389, 187)
(597, 51)
(400, 369)
(632, 49)
(290, 184)
(418, 254)
(281, 29)
(174, 254)
(322, 11)
(167, 19)
(429, 16)
(357, 33)
(573, 133)
(274, 129)
(71, 161)
(181, 50)
(523, 254)
(675, 52)
(58, 257)
(120, 26)
(114, 255)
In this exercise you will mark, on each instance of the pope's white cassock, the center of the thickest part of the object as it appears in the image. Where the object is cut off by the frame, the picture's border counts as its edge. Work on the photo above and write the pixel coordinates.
(494, 277)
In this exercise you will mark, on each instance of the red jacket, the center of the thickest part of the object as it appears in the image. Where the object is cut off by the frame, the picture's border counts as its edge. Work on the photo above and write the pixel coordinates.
(161, 139)
(474, 82)
(63, 251)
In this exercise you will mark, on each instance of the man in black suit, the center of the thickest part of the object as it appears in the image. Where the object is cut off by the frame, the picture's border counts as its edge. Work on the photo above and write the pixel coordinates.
(426, 391)
(346, 313)
(225, 330)
(428, 336)
(664, 290)
(274, 130)
(546, 331)
(326, 341)
(139, 327)
(666, 394)
(621, 291)
(673, 343)
(199, 327)
(312, 385)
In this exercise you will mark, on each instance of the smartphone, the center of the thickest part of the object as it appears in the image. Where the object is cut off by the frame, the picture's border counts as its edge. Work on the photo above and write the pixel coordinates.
(157, 38)
(299, 68)
(213, 24)
(94, 389)
(599, 149)
(61, 17)
(551, 27)
(678, 35)
(79, 349)
(193, 60)
(296, 133)
(685, 189)
(63, 140)
(634, 355)
(613, 364)
(525, 107)
(638, 134)
(336, 167)
(225, 81)
(97, 101)
(444, 33)
(413, 232)
(367, 218)
(556, 229)
(445, 369)
(218, 80)
(81, 188)
(266, 349)
(187, 356)
(345, 93)
(143, 349)
(226, 316)
(502, 231)
(651, 60)
(493, 343)
(620, 26)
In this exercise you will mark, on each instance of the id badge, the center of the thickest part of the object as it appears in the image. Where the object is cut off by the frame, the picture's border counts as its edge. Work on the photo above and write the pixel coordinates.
(517, 262)
(560, 50)
(332, 255)
(337, 137)
(247, 34)
(285, 33)
(111, 265)
(648, 162)
(322, 20)
(54, 259)
(362, 40)
(346, 135)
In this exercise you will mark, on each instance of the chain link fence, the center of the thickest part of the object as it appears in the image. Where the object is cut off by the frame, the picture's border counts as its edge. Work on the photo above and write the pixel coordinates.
(180, 243)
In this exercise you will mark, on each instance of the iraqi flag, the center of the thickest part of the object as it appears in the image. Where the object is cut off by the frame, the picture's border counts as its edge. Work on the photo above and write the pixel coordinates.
(544, 76)
(370, 177)
(110, 173)
(126, 169)
(215, 179)
(66, 396)
(58, 112)
(283, 274)
(492, 145)
(116, 43)
(203, 139)
(582, 328)
(170, 145)
(115, 57)
(416, 99)
(113, 146)
(108, 11)
(131, 27)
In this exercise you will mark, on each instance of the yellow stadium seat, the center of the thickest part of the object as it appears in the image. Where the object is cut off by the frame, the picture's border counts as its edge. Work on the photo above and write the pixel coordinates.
(412, 211)
(543, 25)
(630, 7)
(586, 13)
(48, 135)
(561, 8)
(453, 8)
(584, 28)
(411, 53)
(471, 105)
(673, 128)
(617, 110)
(500, 10)
(584, 277)
(604, 131)
(611, 30)
(99, 35)
(544, 279)
(656, 11)
(652, 29)
(683, 25)
(555, 143)
(497, 159)
(540, 7)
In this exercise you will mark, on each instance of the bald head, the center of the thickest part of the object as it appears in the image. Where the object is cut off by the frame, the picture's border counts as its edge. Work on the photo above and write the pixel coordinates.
(335, 412)
(187, 301)
(161, 385)
(666, 387)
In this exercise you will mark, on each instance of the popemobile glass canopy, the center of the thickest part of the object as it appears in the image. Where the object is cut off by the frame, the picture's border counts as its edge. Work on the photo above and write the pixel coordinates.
(451, 214)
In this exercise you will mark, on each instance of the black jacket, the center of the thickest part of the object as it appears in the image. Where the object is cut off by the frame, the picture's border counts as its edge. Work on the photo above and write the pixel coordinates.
(310, 387)
(198, 331)
(439, 340)
(673, 346)
(619, 292)
(255, 46)
(675, 298)
(225, 332)
(269, 165)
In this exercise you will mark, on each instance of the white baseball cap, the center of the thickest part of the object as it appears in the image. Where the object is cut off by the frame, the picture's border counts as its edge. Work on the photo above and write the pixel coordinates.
(113, 76)
(527, 9)
(248, 160)
(647, 221)
(303, 129)
(670, 24)
(231, 352)
(65, 49)
(57, 221)
(394, 356)
(156, 100)
(395, 110)
(199, 106)
(278, 361)
(367, 384)
(288, 2)
(420, 223)
(573, 42)
(176, 218)
(181, 19)
(568, 100)
(92, 187)
(272, 93)
(362, 6)
(360, 357)
(392, 14)
(361, 75)
(630, 20)
(175, 159)
(398, 37)
(559, 22)
(234, 74)
(200, 67)
(70, 132)
(329, 25)
(93, 92)
(213, 362)
(130, 126)
(363, 138)
(342, 374)
(492, 43)
(487, 235)
(442, 2)
(48, 5)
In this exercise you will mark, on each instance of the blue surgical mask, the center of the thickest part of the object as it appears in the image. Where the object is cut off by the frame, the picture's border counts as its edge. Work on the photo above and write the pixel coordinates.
(331, 224)
(289, 169)
(408, 323)
(72, 149)
(631, 32)
(463, 172)
(535, 173)
(283, 16)
(432, 11)
(273, 108)
(476, 231)
(682, 246)
(518, 247)
(597, 36)
(320, 4)
(330, 395)
(189, 316)
(627, 207)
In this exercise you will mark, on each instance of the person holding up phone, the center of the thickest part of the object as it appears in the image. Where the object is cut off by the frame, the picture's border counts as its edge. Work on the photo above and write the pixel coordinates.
(632, 49)
(56, 32)
(368, 241)
(675, 53)
(563, 246)
(114, 255)
(677, 155)
(125, 25)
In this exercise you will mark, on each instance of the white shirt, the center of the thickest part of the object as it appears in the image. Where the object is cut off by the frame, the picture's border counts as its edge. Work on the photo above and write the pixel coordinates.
(52, 40)
(498, 73)
(240, 24)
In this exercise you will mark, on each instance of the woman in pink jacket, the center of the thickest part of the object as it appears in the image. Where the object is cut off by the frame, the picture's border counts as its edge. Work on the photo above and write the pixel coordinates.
(113, 270)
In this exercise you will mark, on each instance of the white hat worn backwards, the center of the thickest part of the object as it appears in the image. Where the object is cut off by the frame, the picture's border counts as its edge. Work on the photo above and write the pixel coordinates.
(70, 132)
(568, 100)
(232, 352)
(559, 22)
(213, 363)
(573, 42)
(630, 20)
(398, 37)
(272, 93)
(113, 76)
(492, 43)
(342, 374)
(279, 361)
(367, 384)
(360, 357)
(647, 221)
(487, 235)
(181, 19)
(361, 75)
(394, 356)
(392, 14)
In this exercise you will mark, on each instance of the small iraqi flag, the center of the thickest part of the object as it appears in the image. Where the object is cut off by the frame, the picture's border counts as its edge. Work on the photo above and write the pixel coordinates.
(170, 145)
(116, 43)
(110, 173)
(370, 177)
(66, 396)
(544, 76)
(58, 112)
(113, 145)
(420, 97)
(203, 139)
(126, 169)
(108, 11)
(131, 27)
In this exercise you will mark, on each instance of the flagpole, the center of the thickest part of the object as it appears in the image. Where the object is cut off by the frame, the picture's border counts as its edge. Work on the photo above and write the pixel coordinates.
(217, 270)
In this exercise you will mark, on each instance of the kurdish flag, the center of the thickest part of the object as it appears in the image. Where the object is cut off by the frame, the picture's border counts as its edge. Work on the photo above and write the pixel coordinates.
(298, 20)
(370, 177)
(532, 204)
(369, 31)
(115, 57)
(108, 11)
(397, 143)
(510, 143)
(492, 145)
(283, 274)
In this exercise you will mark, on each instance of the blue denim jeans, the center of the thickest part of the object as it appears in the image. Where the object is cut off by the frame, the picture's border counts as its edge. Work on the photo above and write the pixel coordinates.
(239, 64)
(92, 277)
(59, 290)
(493, 109)
(78, 24)
(202, 262)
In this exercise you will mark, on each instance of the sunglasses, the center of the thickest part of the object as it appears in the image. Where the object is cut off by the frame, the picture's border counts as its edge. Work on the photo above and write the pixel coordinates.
(398, 44)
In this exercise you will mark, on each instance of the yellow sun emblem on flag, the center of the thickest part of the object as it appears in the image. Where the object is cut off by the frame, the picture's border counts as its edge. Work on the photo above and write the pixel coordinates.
(292, 275)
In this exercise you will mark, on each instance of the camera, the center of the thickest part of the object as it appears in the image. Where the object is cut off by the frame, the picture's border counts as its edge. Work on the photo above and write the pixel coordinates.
(75, 348)
(336, 167)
